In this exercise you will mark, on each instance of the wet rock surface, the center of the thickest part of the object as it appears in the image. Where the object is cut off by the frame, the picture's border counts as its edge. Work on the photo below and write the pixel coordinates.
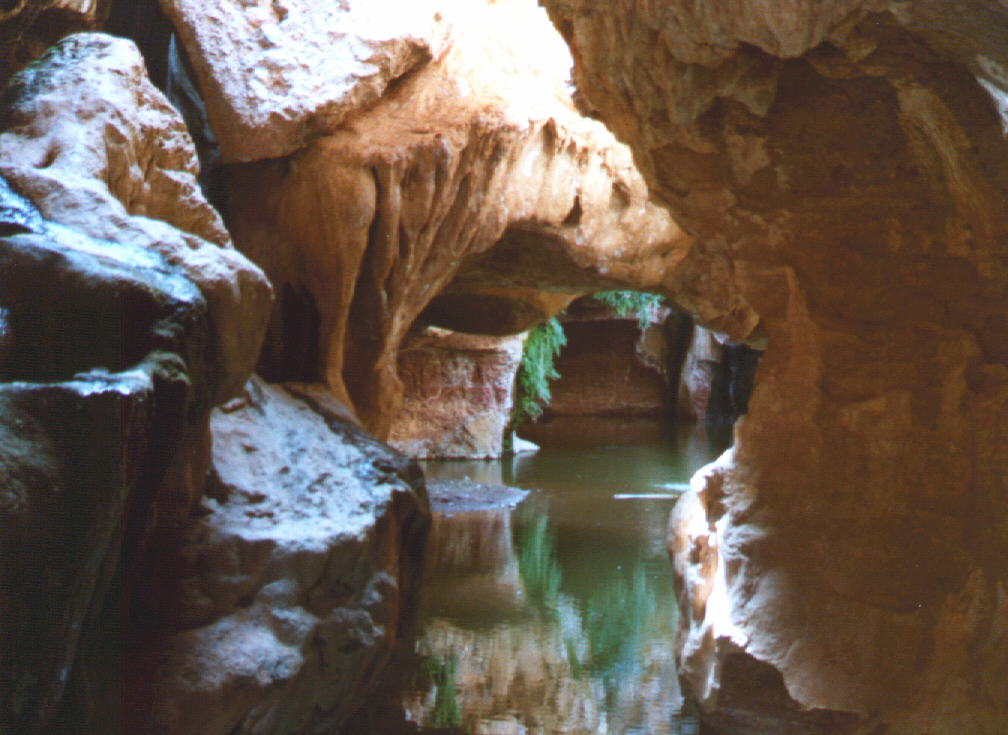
(125, 318)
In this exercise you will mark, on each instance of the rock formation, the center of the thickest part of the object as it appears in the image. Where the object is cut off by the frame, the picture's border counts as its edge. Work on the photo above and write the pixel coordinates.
(457, 394)
(610, 366)
(288, 594)
(126, 316)
(473, 175)
(843, 167)
(131, 602)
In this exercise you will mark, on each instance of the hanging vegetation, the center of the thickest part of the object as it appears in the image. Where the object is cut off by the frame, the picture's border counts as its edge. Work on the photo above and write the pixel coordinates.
(537, 369)
(625, 303)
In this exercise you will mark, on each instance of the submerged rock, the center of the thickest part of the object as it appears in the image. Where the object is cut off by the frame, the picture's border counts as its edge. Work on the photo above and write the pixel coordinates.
(293, 587)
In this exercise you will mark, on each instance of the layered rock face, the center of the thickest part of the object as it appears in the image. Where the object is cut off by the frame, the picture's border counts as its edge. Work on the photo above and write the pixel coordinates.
(473, 174)
(125, 318)
(843, 166)
(457, 394)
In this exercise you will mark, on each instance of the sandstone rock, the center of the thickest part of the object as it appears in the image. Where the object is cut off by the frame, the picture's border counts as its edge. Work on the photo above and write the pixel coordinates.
(476, 166)
(702, 358)
(305, 66)
(457, 394)
(96, 147)
(611, 367)
(293, 587)
(844, 170)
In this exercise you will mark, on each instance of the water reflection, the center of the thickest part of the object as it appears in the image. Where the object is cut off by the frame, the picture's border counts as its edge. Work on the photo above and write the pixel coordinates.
(559, 616)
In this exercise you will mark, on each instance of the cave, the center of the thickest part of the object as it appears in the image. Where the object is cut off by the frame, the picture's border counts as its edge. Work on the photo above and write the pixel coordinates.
(265, 264)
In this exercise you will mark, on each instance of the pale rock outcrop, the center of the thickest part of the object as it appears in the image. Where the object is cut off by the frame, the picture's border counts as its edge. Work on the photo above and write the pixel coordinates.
(704, 354)
(296, 583)
(96, 147)
(125, 317)
(457, 395)
(305, 65)
(474, 165)
(843, 166)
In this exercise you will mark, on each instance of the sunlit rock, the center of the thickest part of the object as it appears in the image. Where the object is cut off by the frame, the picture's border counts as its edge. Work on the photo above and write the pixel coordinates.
(844, 170)
(474, 171)
(275, 74)
(294, 586)
(457, 394)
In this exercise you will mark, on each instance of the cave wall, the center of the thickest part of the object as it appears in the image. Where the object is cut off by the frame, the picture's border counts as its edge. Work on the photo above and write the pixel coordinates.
(843, 167)
(610, 366)
(183, 550)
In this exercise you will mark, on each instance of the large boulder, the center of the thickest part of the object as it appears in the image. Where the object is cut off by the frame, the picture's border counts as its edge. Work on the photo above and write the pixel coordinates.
(304, 65)
(124, 316)
(843, 166)
(290, 592)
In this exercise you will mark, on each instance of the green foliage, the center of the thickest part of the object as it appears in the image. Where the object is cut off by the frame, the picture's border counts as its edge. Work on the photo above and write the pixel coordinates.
(537, 369)
(625, 303)
(538, 565)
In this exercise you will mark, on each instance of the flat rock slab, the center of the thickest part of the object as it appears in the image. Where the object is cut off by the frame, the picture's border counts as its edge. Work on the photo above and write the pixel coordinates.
(462, 495)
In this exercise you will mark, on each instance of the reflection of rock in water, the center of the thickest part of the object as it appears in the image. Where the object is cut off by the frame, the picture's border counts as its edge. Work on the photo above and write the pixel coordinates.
(512, 662)
(472, 572)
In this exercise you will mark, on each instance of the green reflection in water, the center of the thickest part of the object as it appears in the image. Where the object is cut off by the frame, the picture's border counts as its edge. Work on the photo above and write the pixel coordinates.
(441, 672)
(538, 565)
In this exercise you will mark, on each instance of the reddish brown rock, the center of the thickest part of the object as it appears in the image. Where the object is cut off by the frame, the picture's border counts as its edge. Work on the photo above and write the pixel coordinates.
(457, 394)
(610, 366)
(697, 373)
(844, 171)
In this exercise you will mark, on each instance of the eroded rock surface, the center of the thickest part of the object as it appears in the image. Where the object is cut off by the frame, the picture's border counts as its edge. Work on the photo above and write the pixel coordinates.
(474, 171)
(843, 166)
(457, 394)
(304, 65)
(294, 586)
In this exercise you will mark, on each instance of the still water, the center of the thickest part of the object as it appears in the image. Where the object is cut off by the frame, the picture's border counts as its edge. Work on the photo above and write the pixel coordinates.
(559, 616)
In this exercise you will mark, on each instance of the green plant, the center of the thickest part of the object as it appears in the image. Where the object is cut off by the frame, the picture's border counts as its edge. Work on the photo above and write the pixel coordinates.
(625, 303)
(536, 370)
